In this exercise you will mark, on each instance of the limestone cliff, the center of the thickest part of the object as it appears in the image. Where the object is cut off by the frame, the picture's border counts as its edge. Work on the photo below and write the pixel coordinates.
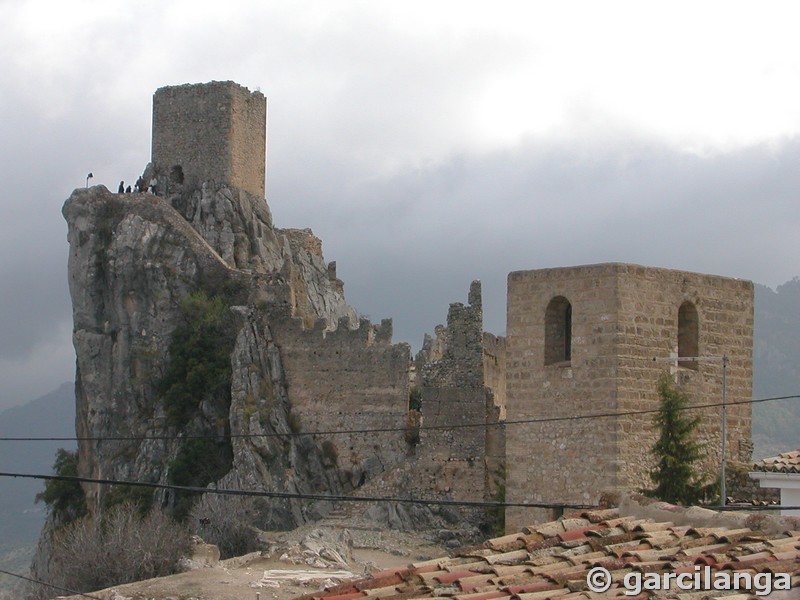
(133, 258)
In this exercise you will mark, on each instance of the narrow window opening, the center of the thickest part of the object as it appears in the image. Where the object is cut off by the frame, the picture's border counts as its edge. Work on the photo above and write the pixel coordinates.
(558, 331)
(176, 174)
(688, 336)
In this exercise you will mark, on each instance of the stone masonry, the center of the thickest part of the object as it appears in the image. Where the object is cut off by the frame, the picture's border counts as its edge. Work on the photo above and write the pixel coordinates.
(215, 132)
(582, 340)
(461, 382)
(348, 379)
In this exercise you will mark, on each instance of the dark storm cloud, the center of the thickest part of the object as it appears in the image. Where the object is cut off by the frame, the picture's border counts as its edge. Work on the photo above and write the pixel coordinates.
(409, 244)
(373, 143)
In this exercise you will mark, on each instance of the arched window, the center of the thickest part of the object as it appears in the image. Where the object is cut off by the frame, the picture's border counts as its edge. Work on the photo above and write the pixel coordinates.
(558, 331)
(688, 335)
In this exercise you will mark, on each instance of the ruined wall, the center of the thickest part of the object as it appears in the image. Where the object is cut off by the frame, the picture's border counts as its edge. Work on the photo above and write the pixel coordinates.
(622, 317)
(343, 380)
(455, 463)
(214, 132)
(494, 375)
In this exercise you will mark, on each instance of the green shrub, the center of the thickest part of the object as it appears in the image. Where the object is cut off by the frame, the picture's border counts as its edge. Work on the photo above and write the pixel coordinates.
(200, 461)
(330, 454)
(65, 499)
(134, 495)
(415, 399)
(200, 358)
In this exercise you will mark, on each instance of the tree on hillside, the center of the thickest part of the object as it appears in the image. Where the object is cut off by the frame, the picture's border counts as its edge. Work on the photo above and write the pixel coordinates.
(64, 497)
(675, 451)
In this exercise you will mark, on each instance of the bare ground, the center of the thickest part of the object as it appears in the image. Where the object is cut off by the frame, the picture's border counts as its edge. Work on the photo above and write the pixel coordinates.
(264, 575)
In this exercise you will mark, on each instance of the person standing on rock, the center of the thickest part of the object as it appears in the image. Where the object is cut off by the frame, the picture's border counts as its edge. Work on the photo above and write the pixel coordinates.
(141, 186)
(121, 188)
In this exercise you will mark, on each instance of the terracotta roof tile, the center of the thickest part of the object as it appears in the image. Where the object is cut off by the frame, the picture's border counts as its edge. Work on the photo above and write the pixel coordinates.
(781, 566)
(508, 558)
(546, 529)
(541, 595)
(345, 596)
(653, 526)
(451, 576)
(587, 558)
(378, 581)
(494, 543)
(786, 462)
(540, 585)
(381, 592)
(600, 515)
(524, 578)
(502, 571)
(558, 555)
(483, 595)
(424, 566)
(402, 571)
(661, 539)
(472, 582)
(575, 523)
(791, 540)
(432, 575)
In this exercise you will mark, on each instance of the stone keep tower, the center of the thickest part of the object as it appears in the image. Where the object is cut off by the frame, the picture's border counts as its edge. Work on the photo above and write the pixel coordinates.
(582, 340)
(212, 131)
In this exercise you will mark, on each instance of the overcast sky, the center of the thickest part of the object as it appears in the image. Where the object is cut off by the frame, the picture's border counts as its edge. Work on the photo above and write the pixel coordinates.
(427, 143)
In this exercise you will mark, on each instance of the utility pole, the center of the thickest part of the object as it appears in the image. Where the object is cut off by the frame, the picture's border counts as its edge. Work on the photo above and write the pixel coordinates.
(724, 360)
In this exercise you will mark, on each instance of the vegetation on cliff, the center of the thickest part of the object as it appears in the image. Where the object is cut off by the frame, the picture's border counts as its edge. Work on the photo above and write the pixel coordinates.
(197, 382)
(199, 358)
(64, 498)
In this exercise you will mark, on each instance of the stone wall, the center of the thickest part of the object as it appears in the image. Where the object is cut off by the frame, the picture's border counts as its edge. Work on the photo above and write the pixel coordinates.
(348, 379)
(461, 380)
(215, 132)
(619, 319)
(648, 302)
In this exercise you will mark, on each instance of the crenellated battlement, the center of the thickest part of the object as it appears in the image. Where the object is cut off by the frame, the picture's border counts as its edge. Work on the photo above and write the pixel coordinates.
(364, 332)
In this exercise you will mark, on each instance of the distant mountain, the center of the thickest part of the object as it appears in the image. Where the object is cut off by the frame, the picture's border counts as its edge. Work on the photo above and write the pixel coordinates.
(52, 415)
(776, 368)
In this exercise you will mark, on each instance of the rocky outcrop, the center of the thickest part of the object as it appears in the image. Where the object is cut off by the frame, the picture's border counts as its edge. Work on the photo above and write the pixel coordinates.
(133, 260)
(238, 226)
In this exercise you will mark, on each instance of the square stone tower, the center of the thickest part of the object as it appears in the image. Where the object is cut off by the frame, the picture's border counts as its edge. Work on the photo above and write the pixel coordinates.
(594, 339)
(211, 131)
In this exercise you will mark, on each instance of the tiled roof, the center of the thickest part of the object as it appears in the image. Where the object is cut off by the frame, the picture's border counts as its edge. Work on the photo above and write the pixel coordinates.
(552, 560)
(787, 462)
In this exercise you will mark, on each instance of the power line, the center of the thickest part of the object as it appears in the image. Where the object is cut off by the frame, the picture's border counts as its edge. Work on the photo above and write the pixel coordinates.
(344, 498)
(297, 495)
(50, 585)
(389, 429)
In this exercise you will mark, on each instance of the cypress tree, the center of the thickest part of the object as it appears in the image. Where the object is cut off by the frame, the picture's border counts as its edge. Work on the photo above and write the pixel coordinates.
(675, 476)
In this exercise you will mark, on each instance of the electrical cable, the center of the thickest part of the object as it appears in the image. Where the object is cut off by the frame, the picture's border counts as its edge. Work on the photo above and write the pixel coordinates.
(343, 498)
(50, 585)
(393, 429)
(297, 495)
